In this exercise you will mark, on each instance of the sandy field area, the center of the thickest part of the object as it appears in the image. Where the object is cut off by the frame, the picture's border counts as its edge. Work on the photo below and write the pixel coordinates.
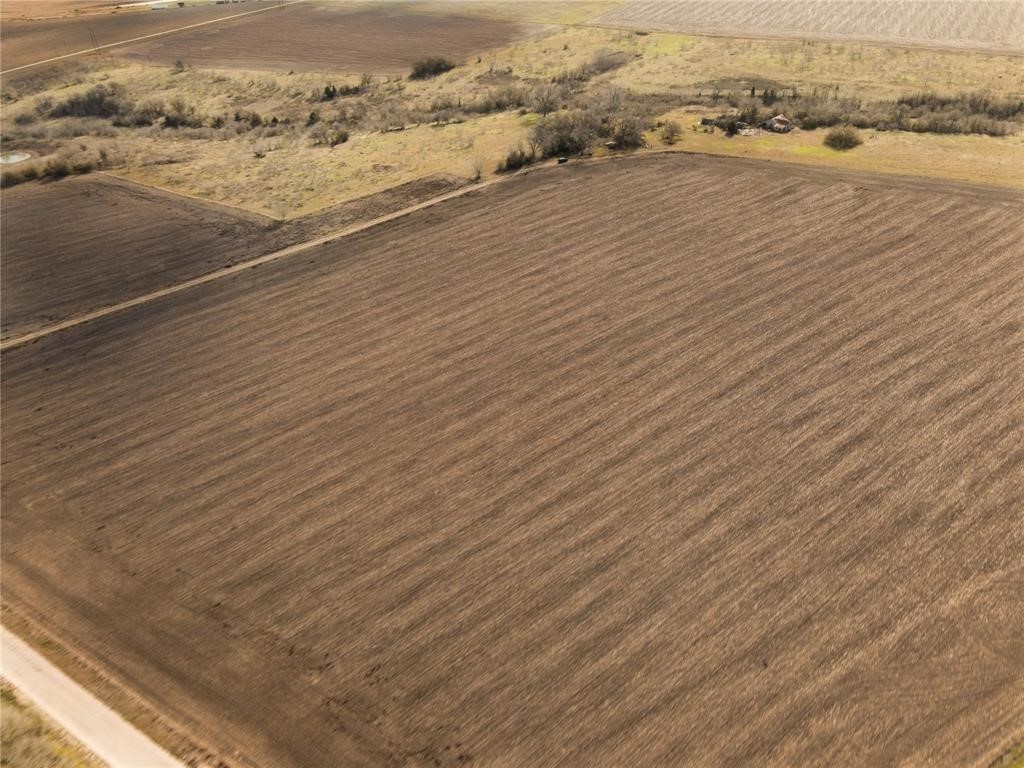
(333, 37)
(90, 242)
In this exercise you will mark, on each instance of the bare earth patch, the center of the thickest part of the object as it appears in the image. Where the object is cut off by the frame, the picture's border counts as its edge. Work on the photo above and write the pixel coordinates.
(973, 24)
(331, 37)
(26, 42)
(117, 240)
(651, 462)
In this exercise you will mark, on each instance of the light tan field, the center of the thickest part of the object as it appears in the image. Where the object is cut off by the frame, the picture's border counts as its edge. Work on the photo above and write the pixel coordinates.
(998, 161)
(974, 24)
(36, 9)
(677, 460)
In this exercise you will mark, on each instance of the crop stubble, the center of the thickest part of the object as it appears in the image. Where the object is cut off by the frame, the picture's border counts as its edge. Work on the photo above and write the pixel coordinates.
(313, 37)
(975, 24)
(647, 462)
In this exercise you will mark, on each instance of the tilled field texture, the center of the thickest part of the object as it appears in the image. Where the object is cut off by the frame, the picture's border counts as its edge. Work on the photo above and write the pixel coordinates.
(662, 461)
(88, 243)
(337, 38)
(26, 42)
(980, 24)
(85, 243)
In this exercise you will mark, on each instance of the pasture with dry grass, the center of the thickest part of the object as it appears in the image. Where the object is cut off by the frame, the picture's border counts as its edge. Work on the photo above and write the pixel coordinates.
(29, 740)
(194, 120)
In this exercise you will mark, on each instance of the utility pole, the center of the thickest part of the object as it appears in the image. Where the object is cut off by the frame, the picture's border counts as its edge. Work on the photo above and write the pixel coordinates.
(95, 42)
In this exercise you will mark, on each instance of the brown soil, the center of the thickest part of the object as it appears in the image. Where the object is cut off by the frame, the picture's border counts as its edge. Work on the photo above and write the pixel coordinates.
(85, 243)
(657, 462)
(26, 42)
(90, 242)
(337, 38)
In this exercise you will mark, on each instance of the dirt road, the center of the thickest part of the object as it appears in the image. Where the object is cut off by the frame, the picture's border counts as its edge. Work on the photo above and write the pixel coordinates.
(94, 725)
(83, 24)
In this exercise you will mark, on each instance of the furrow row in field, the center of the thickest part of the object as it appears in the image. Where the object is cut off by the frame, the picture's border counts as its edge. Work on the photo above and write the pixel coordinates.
(651, 461)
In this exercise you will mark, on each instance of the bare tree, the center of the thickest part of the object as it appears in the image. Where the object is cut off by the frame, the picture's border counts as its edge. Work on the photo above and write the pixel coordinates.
(547, 98)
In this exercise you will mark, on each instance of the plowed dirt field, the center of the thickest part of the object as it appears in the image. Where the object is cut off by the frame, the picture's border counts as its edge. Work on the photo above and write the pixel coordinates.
(976, 24)
(26, 42)
(386, 39)
(663, 461)
(92, 242)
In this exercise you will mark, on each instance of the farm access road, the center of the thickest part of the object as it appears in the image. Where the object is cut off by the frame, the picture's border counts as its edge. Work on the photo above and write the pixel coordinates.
(90, 722)
(291, 250)
(147, 37)
(306, 245)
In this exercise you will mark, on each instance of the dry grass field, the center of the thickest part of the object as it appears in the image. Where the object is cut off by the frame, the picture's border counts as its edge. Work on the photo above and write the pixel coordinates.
(972, 159)
(29, 740)
(46, 9)
(677, 460)
(332, 37)
(974, 24)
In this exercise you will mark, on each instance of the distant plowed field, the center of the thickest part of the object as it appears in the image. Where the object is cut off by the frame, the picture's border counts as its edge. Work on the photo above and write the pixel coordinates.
(332, 38)
(983, 24)
(668, 461)
(86, 243)
(26, 42)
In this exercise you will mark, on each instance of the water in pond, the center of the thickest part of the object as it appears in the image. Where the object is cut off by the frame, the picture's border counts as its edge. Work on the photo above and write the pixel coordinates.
(13, 157)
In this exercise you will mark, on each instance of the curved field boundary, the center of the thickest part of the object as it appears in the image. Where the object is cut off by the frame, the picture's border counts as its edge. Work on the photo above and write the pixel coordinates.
(147, 37)
(291, 250)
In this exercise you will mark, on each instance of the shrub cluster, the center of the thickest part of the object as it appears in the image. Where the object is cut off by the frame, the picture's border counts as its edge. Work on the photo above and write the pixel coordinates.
(670, 131)
(99, 101)
(328, 136)
(843, 137)
(331, 92)
(976, 113)
(431, 67)
(77, 162)
(517, 157)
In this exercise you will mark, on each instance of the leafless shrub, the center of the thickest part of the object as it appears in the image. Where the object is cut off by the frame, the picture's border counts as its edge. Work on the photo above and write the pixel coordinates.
(670, 132)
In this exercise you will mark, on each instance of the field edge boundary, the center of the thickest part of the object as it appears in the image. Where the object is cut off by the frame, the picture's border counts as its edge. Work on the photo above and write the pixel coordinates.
(935, 186)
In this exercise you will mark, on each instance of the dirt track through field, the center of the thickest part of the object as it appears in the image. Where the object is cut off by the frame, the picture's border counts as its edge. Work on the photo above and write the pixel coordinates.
(28, 39)
(665, 461)
(227, 271)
